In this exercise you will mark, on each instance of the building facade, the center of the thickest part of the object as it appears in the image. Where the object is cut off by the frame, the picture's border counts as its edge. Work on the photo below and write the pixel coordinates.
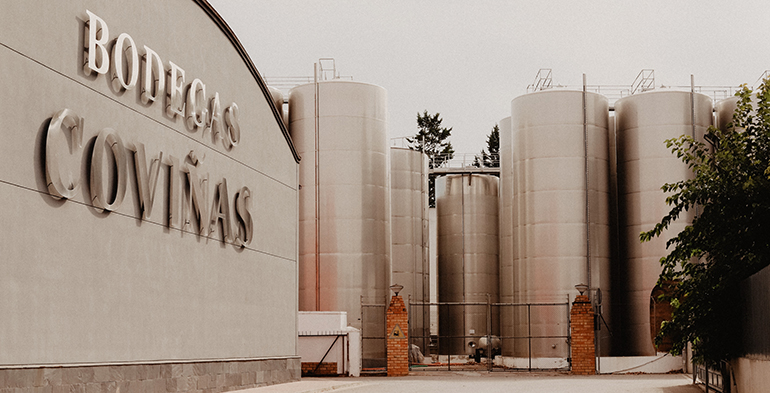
(148, 188)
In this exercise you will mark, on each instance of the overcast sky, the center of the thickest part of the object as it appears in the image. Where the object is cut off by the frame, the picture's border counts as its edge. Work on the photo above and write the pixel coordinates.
(469, 59)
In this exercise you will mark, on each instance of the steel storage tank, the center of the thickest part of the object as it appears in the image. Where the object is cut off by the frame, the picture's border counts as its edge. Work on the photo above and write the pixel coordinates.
(724, 110)
(506, 236)
(277, 97)
(409, 228)
(344, 228)
(643, 123)
(468, 269)
(560, 213)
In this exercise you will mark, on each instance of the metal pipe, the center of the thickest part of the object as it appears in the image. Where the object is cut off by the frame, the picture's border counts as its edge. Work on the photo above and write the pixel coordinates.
(692, 117)
(317, 196)
(462, 220)
(296, 250)
(588, 205)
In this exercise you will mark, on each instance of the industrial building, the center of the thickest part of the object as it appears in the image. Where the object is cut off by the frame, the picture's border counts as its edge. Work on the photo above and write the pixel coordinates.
(149, 194)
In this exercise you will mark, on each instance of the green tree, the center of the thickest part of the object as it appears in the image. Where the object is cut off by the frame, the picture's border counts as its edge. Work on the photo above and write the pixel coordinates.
(431, 140)
(490, 157)
(729, 239)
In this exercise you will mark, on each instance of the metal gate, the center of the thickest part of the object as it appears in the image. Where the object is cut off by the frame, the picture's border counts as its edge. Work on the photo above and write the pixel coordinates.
(532, 331)
(713, 380)
(373, 338)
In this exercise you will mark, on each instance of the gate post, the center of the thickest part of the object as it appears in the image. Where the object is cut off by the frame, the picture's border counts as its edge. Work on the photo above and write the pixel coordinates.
(398, 343)
(582, 336)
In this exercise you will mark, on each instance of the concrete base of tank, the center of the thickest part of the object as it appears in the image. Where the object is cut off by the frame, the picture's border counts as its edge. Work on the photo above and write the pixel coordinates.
(662, 363)
(537, 363)
(659, 364)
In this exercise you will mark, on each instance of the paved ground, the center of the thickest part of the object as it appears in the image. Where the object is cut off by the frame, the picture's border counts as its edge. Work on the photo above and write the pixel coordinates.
(483, 382)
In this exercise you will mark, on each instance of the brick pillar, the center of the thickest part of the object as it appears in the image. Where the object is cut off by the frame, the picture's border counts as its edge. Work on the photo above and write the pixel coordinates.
(582, 321)
(398, 343)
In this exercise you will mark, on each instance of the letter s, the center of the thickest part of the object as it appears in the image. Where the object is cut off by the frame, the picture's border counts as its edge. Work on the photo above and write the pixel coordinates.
(242, 211)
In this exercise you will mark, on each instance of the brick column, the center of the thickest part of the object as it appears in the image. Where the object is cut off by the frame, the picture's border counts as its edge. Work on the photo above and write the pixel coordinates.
(398, 343)
(582, 323)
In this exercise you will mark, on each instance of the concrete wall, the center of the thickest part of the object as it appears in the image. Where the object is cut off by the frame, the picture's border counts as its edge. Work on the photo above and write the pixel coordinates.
(751, 374)
(752, 371)
(82, 285)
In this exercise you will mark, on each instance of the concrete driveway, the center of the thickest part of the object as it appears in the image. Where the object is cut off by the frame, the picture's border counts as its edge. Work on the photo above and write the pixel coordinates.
(482, 382)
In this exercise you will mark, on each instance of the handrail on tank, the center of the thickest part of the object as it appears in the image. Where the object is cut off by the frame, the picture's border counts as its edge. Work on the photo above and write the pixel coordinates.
(543, 80)
(644, 81)
(327, 70)
(401, 142)
(463, 161)
(761, 79)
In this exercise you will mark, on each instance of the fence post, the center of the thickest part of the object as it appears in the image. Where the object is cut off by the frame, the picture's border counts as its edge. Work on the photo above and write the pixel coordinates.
(398, 340)
(582, 336)
(489, 332)
(529, 335)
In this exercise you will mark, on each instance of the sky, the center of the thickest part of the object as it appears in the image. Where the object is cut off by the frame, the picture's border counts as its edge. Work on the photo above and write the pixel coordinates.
(468, 59)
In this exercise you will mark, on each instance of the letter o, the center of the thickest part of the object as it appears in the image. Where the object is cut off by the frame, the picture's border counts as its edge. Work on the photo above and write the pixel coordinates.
(132, 60)
(99, 195)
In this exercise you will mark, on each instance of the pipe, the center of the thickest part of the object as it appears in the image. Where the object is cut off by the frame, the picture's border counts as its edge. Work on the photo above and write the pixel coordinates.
(692, 117)
(588, 205)
(317, 198)
(462, 219)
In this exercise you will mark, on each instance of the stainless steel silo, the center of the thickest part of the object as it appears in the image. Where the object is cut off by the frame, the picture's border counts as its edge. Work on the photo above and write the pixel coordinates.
(643, 123)
(506, 236)
(338, 128)
(560, 213)
(468, 269)
(724, 110)
(277, 96)
(409, 226)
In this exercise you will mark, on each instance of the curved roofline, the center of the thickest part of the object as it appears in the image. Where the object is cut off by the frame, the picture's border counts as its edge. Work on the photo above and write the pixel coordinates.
(214, 15)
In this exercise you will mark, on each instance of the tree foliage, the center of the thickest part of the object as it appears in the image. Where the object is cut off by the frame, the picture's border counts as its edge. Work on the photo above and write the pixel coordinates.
(431, 139)
(490, 157)
(729, 239)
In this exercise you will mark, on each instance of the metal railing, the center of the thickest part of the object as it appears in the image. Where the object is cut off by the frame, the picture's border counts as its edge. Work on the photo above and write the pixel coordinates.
(543, 80)
(761, 79)
(401, 142)
(326, 69)
(465, 163)
(644, 81)
(457, 162)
